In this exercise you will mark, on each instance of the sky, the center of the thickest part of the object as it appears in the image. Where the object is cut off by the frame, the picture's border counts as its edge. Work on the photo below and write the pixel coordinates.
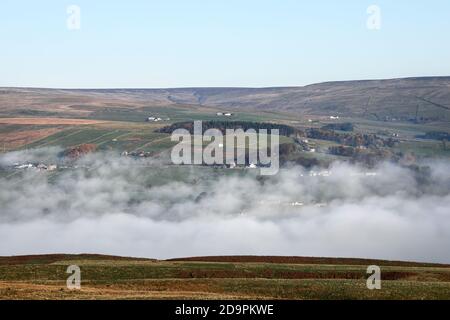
(219, 43)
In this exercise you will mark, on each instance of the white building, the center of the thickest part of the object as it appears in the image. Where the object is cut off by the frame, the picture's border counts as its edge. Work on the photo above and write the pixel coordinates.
(297, 204)
(224, 114)
(154, 119)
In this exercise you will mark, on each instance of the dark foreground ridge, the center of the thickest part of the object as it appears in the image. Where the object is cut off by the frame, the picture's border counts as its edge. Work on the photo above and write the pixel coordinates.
(52, 258)
(309, 260)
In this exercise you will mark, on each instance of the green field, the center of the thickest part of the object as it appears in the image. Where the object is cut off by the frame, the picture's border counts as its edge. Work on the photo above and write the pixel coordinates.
(106, 139)
(425, 148)
(179, 114)
(125, 129)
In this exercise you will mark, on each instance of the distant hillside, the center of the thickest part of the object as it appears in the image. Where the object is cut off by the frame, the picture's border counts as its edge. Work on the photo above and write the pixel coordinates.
(307, 261)
(424, 99)
(53, 258)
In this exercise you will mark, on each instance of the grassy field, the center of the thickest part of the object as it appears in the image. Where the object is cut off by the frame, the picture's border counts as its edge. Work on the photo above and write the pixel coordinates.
(106, 277)
(425, 148)
(117, 136)
(178, 114)
(124, 129)
(110, 128)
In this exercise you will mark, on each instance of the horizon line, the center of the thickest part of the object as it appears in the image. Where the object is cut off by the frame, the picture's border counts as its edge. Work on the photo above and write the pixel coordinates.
(225, 87)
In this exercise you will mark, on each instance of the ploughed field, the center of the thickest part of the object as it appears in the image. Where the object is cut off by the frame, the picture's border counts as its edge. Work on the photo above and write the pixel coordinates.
(108, 277)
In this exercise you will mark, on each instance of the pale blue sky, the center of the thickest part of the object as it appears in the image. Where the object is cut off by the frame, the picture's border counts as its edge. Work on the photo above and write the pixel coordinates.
(182, 43)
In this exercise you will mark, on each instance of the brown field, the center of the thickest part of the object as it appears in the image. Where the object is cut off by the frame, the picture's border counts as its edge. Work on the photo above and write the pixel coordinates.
(110, 277)
(51, 258)
(48, 121)
(136, 291)
(17, 139)
(308, 260)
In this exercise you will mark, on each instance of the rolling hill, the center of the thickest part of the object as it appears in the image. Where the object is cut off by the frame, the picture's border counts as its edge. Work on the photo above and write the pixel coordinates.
(426, 99)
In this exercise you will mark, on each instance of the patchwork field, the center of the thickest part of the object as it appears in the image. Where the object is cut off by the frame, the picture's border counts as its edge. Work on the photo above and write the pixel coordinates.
(116, 119)
(107, 277)
(110, 128)
(47, 121)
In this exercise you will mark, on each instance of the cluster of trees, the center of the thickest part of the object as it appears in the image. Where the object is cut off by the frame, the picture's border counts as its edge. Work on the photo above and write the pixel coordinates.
(367, 156)
(366, 148)
(224, 125)
(344, 151)
(339, 126)
(373, 156)
(348, 139)
(436, 135)
(78, 151)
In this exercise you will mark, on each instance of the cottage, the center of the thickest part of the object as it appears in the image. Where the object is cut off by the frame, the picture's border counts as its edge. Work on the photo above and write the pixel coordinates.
(224, 114)
(154, 119)
(297, 204)
(41, 166)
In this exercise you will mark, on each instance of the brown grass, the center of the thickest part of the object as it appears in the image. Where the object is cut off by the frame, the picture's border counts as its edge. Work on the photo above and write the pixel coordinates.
(58, 290)
(271, 274)
(12, 140)
(51, 258)
(308, 260)
(110, 277)
(48, 121)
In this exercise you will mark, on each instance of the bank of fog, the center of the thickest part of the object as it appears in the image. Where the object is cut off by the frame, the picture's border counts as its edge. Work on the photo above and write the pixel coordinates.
(114, 205)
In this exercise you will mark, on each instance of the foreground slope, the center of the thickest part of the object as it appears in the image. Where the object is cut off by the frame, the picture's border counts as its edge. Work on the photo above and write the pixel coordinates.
(107, 277)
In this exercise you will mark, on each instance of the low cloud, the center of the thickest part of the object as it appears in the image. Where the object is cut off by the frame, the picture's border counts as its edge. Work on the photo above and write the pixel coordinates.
(116, 205)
